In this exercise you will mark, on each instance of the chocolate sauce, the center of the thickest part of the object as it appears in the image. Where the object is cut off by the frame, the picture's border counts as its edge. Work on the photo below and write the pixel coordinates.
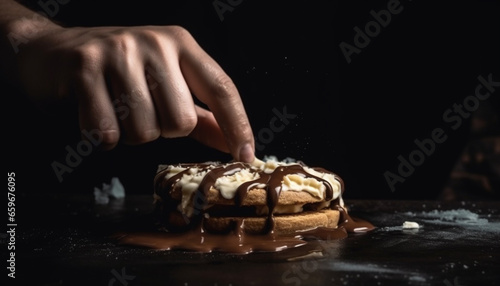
(237, 241)
(353, 224)
(197, 240)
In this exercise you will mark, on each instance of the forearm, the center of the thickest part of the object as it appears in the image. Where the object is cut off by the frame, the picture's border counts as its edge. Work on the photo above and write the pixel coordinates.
(18, 26)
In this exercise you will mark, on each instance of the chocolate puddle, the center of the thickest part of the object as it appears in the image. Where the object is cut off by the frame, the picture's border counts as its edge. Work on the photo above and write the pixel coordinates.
(237, 241)
(199, 241)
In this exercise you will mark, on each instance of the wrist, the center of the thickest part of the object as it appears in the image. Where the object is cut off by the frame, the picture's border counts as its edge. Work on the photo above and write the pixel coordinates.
(18, 31)
(27, 28)
(18, 26)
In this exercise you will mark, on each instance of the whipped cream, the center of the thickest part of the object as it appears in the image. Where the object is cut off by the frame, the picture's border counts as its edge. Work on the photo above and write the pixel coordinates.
(311, 180)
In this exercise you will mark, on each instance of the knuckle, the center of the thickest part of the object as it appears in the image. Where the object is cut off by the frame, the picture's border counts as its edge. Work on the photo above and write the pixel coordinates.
(120, 50)
(152, 38)
(179, 31)
(223, 87)
(122, 42)
(86, 59)
(179, 127)
(109, 138)
(180, 36)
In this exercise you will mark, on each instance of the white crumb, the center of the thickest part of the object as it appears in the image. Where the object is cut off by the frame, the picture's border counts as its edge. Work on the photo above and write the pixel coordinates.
(113, 190)
(410, 225)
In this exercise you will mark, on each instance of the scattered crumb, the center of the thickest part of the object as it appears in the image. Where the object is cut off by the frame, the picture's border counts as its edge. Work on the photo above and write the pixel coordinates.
(113, 190)
(410, 225)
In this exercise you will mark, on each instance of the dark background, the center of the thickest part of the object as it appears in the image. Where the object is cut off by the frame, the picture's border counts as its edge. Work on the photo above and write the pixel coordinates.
(354, 119)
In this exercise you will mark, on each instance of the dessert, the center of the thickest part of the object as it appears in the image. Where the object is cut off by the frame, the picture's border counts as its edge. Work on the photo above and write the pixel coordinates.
(262, 197)
(238, 207)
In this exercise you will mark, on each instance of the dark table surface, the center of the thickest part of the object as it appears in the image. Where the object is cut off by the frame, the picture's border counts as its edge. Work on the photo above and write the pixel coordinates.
(64, 240)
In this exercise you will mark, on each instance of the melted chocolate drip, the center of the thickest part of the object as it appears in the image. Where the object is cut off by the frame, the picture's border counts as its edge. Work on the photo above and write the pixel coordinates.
(198, 240)
(237, 241)
(353, 224)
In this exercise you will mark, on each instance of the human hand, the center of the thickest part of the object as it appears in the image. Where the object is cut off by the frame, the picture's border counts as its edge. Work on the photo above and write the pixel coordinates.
(135, 84)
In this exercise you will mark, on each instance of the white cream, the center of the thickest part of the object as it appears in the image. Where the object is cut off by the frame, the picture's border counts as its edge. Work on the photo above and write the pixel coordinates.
(189, 183)
(298, 183)
(227, 185)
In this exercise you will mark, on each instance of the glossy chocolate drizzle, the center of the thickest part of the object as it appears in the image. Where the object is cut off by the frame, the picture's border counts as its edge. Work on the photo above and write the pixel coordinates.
(237, 241)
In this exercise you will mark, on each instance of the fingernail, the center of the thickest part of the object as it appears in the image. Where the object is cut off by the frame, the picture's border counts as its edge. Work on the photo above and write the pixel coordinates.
(246, 153)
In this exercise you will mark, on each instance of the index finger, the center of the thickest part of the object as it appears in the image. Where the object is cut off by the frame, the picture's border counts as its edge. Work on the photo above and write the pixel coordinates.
(215, 88)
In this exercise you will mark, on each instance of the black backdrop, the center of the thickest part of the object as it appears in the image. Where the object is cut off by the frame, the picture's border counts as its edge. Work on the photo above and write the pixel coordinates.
(353, 118)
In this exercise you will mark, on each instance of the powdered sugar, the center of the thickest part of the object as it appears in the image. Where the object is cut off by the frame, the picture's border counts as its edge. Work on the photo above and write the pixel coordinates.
(457, 217)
